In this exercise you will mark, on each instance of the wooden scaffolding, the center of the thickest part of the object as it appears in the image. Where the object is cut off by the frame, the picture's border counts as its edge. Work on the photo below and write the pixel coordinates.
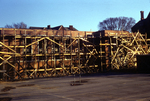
(26, 53)
(119, 50)
(127, 50)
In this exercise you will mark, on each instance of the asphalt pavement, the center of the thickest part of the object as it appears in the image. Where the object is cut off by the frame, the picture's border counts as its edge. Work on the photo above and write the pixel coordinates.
(93, 87)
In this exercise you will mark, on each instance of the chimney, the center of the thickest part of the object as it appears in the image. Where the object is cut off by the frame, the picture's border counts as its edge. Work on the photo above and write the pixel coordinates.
(70, 27)
(142, 15)
(48, 26)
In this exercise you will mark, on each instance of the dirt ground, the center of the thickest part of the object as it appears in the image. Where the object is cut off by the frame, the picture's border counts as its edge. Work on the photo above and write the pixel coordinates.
(93, 87)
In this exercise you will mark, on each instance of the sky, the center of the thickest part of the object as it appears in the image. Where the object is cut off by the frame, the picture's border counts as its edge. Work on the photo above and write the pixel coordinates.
(84, 15)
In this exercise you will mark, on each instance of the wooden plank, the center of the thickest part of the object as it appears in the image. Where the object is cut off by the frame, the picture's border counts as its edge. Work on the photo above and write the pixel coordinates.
(35, 42)
(10, 53)
(105, 44)
(72, 42)
(7, 47)
(16, 46)
(2, 71)
(6, 59)
(54, 42)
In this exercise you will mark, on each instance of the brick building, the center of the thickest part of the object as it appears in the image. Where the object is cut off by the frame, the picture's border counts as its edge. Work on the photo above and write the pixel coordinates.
(143, 26)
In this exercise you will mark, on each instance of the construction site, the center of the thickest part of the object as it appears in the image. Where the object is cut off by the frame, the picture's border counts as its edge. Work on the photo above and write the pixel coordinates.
(27, 53)
(46, 63)
(61, 51)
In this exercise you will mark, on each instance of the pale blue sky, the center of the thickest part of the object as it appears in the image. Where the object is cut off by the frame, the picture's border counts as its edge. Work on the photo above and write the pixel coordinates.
(84, 15)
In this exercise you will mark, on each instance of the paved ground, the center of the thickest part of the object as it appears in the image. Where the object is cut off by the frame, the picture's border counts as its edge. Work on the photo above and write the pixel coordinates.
(95, 87)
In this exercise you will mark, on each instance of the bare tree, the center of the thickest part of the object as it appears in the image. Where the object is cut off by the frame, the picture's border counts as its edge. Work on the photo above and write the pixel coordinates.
(8, 26)
(118, 23)
(17, 25)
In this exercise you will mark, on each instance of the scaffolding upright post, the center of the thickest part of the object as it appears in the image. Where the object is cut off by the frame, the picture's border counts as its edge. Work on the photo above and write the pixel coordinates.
(71, 53)
(36, 67)
(25, 54)
(79, 64)
(54, 54)
(45, 54)
(101, 54)
(15, 56)
(111, 52)
(63, 41)
(4, 68)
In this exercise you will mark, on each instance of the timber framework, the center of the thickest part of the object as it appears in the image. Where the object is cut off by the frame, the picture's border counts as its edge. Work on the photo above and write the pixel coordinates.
(27, 53)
